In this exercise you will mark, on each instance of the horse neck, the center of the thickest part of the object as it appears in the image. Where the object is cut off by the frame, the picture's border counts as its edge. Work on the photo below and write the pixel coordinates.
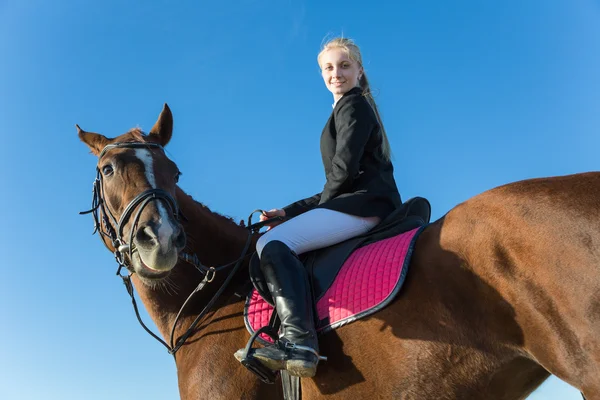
(215, 240)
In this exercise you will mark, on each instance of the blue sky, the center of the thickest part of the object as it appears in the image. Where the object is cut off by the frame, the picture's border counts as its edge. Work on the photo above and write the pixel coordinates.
(473, 95)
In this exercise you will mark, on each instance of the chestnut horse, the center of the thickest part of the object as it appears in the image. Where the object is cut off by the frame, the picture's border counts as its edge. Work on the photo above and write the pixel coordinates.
(503, 291)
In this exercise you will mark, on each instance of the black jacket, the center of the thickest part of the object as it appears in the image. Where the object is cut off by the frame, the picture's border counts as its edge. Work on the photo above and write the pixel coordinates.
(359, 180)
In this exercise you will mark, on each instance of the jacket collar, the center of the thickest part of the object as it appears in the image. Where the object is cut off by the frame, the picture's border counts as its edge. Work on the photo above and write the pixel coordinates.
(354, 90)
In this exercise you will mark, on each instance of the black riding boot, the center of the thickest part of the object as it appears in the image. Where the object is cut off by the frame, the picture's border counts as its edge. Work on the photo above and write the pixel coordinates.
(298, 349)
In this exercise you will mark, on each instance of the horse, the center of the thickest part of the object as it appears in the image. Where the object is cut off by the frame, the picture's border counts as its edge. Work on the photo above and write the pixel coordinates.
(503, 290)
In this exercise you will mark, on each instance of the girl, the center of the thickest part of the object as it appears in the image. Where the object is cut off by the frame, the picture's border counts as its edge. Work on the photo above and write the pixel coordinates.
(359, 192)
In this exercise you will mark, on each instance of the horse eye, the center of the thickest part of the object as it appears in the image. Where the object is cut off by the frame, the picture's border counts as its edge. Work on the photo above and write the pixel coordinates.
(177, 175)
(107, 170)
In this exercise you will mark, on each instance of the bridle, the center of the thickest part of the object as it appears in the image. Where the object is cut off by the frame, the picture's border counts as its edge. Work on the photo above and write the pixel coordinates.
(114, 228)
(114, 232)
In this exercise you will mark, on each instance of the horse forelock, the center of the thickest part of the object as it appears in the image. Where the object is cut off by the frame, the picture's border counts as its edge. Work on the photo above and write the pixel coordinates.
(133, 135)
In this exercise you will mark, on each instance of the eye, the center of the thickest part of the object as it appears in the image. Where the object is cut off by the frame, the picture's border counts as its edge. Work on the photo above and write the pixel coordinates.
(107, 170)
(177, 175)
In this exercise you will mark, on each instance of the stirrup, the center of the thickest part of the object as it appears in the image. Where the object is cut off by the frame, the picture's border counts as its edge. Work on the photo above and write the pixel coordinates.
(256, 367)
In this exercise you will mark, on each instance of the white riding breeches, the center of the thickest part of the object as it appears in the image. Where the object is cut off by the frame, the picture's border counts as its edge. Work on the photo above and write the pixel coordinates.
(316, 229)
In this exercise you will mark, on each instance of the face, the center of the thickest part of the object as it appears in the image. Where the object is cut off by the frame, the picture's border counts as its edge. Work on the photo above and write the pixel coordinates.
(157, 236)
(339, 71)
(152, 230)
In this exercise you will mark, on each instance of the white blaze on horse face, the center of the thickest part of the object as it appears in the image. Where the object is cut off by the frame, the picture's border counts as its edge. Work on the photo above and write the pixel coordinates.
(165, 229)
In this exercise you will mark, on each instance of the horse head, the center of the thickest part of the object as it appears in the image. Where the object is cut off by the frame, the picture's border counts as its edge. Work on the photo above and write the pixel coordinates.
(135, 207)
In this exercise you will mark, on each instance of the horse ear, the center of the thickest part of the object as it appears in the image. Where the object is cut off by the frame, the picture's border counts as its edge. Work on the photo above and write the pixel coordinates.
(94, 141)
(163, 128)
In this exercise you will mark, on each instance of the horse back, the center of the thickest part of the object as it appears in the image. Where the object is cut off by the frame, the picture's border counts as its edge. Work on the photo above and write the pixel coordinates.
(528, 255)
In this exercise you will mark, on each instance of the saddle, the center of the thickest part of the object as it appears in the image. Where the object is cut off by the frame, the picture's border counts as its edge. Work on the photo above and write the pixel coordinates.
(349, 281)
(323, 265)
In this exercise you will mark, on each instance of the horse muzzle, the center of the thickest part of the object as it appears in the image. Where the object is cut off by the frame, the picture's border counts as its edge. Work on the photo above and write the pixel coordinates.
(157, 247)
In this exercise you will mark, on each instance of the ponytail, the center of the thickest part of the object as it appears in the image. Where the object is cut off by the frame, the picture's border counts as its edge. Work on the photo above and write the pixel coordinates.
(385, 144)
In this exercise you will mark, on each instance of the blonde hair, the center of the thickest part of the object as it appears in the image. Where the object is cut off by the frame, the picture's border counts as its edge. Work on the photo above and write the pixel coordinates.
(353, 52)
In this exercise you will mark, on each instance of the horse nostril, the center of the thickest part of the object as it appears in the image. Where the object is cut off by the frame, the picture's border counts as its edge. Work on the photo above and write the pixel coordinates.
(145, 236)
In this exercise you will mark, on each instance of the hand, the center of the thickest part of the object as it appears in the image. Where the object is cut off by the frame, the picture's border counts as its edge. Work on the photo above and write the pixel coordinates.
(276, 212)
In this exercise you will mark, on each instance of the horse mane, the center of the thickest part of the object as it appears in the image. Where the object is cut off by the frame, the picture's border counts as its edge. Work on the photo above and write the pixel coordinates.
(215, 214)
(222, 228)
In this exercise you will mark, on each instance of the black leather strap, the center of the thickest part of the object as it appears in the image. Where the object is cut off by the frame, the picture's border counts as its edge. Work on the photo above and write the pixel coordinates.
(291, 386)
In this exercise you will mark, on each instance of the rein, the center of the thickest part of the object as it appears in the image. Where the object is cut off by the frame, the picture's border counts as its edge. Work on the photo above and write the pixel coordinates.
(101, 214)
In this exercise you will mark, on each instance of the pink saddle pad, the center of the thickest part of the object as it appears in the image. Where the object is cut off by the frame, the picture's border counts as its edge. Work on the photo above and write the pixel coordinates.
(368, 281)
